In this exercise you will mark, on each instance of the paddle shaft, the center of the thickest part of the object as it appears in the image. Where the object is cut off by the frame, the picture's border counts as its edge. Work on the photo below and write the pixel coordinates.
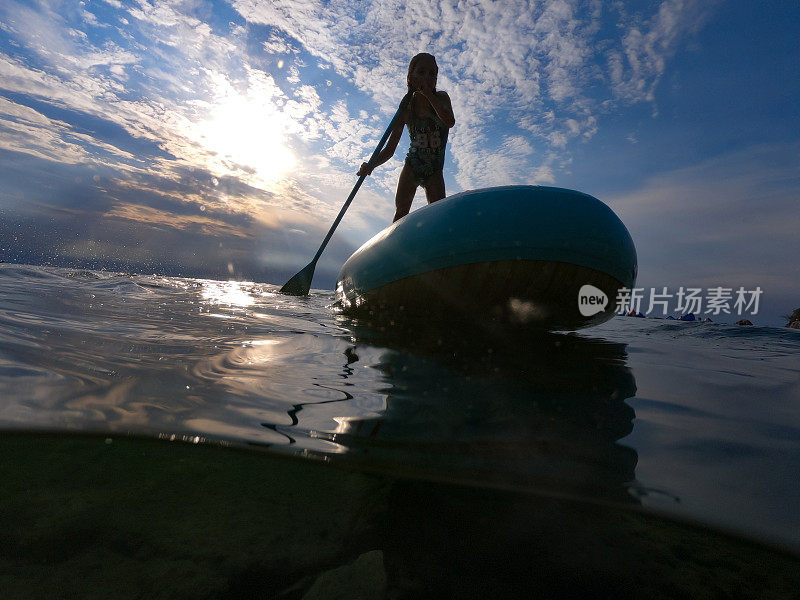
(352, 195)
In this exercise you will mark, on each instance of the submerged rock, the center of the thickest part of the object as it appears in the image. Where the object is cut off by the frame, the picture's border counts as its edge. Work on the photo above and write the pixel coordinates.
(744, 322)
(687, 317)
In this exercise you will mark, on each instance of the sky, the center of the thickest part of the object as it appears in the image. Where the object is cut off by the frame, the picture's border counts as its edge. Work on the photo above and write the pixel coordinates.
(220, 139)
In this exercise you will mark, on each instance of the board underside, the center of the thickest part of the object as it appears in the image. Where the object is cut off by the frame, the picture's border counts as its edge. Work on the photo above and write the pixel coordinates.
(533, 292)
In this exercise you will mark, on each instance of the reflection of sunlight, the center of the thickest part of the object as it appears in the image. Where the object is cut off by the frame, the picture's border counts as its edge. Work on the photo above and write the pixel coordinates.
(231, 293)
(263, 342)
(245, 132)
(343, 425)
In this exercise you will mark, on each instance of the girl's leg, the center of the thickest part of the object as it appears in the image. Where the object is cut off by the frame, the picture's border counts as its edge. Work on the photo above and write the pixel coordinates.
(434, 187)
(406, 188)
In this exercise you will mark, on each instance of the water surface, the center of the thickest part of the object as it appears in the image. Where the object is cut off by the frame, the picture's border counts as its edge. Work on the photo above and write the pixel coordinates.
(696, 421)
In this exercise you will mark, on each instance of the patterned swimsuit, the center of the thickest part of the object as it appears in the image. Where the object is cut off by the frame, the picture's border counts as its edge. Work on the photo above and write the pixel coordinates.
(428, 138)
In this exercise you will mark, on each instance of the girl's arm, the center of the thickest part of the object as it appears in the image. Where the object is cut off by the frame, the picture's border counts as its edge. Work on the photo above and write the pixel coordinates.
(388, 149)
(440, 102)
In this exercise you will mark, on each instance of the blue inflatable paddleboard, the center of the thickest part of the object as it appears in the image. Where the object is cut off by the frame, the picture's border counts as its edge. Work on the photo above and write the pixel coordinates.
(542, 255)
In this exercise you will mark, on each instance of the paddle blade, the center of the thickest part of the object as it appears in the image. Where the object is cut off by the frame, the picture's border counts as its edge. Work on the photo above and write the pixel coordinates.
(300, 283)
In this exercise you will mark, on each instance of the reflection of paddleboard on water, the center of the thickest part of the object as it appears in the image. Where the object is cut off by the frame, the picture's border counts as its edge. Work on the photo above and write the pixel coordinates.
(543, 410)
(547, 256)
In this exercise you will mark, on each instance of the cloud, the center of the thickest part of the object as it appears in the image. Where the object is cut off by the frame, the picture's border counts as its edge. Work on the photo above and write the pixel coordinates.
(279, 101)
(200, 127)
(28, 131)
(175, 227)
(729, 221)
(636, 67)
(527, 64)
(163, 219)
(169, 77)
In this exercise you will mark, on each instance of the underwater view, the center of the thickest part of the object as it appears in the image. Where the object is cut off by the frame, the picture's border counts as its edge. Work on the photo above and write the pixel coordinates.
(537, 349)
(175, 437)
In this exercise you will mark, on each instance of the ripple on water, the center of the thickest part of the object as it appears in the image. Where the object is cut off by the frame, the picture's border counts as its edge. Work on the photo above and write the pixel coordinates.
(716, 407)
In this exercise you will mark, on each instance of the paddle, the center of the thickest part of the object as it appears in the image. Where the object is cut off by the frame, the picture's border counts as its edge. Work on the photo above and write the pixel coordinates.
(301, 282)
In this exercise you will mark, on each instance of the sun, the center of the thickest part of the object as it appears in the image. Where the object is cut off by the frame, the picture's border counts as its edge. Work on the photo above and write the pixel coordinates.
(247, 137)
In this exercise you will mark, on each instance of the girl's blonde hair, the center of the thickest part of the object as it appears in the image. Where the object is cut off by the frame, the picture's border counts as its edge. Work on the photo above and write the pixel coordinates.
(413, 64)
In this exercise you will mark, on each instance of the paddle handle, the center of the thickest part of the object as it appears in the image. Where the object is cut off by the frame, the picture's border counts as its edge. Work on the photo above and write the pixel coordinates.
(352, 195)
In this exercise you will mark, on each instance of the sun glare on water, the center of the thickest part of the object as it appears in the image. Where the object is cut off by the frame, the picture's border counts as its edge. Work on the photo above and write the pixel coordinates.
(231, 293)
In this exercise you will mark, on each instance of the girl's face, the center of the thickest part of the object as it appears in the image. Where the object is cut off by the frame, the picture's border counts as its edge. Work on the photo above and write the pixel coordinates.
(423, 75)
